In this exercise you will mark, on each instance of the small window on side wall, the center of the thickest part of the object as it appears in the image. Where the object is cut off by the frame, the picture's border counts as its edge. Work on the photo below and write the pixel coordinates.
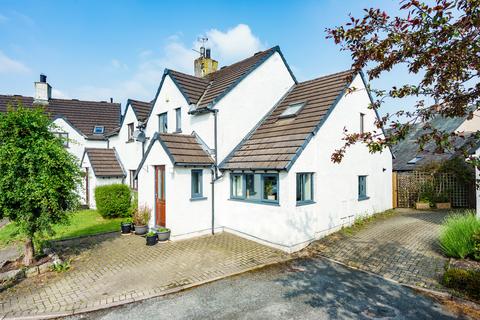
(197, 184)
(162, 123)
(133, 181)
(304, 188)
(362, 123)
(362, 188)
(178, 118)
(63, 136)
(131, 128)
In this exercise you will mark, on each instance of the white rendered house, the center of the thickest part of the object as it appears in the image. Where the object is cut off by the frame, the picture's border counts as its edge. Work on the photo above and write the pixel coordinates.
(82, 124)
(247, 149)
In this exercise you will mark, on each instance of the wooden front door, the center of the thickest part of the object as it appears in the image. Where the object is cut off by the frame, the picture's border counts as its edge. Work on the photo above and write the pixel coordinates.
(160, 195)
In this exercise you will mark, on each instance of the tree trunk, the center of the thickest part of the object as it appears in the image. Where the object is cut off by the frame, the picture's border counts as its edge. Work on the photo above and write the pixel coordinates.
(28, 255)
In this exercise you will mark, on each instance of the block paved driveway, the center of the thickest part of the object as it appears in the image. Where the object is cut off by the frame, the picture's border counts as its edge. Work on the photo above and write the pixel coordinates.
(403, 247)
(113, 269)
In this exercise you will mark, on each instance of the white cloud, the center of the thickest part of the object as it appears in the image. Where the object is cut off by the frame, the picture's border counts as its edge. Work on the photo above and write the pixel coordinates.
(59, 94)
(227, 47)
(117, 64)
(11, 66)
(234, 44)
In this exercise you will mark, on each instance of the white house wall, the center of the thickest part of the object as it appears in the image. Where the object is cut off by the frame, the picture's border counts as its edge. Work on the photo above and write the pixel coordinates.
(185, 217)
(244, 106)
(76, 144)
(129, 152)
(291, 227)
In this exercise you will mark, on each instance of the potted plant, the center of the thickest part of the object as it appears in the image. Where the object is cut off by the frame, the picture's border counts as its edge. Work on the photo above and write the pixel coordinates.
(269, 190)
(126, 226)
(141, 216)
(442, 201)
(163, 234)
(152, 238)
(425, 197)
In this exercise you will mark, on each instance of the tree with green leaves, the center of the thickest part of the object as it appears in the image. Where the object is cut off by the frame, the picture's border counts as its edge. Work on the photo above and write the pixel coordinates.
(438, 42)
(39, 177)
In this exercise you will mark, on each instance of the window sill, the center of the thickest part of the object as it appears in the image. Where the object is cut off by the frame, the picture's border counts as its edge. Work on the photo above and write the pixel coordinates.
(304, 203)
(130, 141)
(268, 203)
(363, 198)
(178, 131)
(198, 198)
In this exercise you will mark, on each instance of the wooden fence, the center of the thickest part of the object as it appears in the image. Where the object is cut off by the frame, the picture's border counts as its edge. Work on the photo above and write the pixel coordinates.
(406, 187)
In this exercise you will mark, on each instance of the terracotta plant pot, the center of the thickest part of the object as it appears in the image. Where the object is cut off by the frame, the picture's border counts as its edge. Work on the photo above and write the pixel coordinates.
(422, 205)
(443, 205)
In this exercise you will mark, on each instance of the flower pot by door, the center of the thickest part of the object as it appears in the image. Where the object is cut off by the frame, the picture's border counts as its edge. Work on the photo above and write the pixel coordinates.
(126, 228)
(141, 230)
(163, 236)
(152, 240)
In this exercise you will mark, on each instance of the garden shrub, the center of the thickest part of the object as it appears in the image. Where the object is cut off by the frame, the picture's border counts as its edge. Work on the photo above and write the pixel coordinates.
(476, 249)
(457, 236)
(464, 281)
(113, 200)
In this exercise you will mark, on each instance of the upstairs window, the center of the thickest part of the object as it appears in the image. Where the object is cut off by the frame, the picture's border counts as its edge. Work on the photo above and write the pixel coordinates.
(162, 123)
(254, 187)
(98, 129)
(63, 136)
(178, 118)
(304, 188)
(131, 129)
(362, 188)
(362, 123)
(197, 184)
(133, 181)
(292, 110)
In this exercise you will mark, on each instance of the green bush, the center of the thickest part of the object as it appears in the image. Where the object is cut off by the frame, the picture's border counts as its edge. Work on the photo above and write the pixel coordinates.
(476, 249)
(464, 281)
(113, 200)
(456, 238)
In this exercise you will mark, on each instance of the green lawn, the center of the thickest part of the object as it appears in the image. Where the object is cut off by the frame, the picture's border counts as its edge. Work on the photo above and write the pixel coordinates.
(82, 223)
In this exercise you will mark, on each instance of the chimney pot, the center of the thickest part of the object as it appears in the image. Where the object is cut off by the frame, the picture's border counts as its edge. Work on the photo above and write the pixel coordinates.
(43, 78)
(207, 53)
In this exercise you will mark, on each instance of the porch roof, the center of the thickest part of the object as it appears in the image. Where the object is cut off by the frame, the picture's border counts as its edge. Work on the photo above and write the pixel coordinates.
(104, 162)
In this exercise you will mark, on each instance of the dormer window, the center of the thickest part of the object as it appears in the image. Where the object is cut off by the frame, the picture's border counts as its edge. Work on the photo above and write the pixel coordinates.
(98, 129)
(415, 160)
(292, 110)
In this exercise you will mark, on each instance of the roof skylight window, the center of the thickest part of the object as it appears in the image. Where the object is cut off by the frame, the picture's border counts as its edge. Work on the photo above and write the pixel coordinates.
(98, 129)
(415, 160)
(292, 110)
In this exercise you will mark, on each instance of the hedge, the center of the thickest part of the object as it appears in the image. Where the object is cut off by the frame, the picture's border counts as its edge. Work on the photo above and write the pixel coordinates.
(113, 200)
(463, 281)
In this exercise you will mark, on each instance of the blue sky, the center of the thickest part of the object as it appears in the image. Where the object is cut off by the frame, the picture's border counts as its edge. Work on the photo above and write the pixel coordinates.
(102, 49)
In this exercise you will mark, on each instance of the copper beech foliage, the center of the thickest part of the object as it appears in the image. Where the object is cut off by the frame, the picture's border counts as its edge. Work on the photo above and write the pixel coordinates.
(439, 42)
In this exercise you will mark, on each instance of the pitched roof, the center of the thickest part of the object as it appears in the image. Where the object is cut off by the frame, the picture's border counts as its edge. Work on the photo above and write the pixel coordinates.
(140, 108)
(192, 87)
(104, 162)
(184, 149)
(407, 149)
(210, 89)
(277, 141)
(82, 115)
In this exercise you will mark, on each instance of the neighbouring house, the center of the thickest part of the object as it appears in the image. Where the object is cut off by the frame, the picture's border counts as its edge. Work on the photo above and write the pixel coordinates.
(102, 166)
(247, 149)
(86, 124)
(409, 163)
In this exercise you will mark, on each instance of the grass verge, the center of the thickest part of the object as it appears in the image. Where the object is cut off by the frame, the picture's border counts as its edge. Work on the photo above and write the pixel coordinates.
(82, 223)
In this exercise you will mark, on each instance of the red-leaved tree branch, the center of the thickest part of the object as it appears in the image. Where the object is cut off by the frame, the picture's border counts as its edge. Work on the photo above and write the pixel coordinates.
(438, 41)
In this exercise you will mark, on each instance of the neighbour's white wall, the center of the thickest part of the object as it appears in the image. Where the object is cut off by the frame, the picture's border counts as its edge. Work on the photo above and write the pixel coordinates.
(185, 217)
(291, 227)
(471, 125)
(243, 107)
(77, 141)
(129, 152)
(94, 182)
